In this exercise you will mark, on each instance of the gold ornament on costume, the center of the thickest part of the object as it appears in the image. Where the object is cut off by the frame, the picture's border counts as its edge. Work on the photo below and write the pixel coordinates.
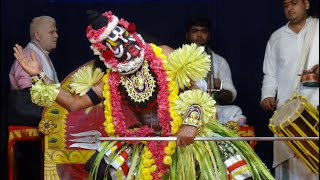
(46, 126)
(233, 125)
(193, 116)
(190, 98)
(141, 85)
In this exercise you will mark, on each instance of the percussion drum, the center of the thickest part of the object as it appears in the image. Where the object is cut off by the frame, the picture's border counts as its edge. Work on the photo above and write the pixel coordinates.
(297, 117)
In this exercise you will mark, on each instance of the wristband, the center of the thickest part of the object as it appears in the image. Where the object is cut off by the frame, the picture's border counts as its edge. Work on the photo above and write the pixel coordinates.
(37, 77)
(93, 97)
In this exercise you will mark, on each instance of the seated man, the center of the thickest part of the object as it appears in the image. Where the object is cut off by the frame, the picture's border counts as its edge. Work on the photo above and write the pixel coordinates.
(228, 113)
(219, 79)
(43, 34)
(21, 110)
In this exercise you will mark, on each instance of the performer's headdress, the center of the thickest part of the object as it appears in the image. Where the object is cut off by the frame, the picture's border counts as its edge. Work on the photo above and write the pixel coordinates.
(107, 27)
(100, 26)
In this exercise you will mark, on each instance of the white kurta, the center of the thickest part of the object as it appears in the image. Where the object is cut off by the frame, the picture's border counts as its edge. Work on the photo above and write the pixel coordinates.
(228, 113)
(222, 71)
(280, 69)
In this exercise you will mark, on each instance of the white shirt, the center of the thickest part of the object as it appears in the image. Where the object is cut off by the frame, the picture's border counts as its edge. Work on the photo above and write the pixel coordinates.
(228, 113)
(280, 64)
(222, 71)
(280, 69)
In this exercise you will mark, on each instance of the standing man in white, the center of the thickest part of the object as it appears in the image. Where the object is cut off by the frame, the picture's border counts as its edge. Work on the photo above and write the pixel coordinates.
(286, 55)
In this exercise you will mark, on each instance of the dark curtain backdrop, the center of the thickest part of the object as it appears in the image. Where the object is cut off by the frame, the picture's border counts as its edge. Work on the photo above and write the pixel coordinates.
(240, 33)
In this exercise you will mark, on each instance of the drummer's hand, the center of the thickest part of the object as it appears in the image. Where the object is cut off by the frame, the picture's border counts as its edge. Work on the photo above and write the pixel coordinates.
(268, 104)
(186, 135)
(31, 66)
(315, 69)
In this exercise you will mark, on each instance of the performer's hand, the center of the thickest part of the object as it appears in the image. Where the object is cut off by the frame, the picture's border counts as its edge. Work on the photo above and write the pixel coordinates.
(31, 66)
(268, 104)
(186, 135)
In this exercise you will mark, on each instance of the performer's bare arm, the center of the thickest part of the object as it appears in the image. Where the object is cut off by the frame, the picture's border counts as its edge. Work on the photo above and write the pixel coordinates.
(73, 102)
(69, 101)
(166, 50)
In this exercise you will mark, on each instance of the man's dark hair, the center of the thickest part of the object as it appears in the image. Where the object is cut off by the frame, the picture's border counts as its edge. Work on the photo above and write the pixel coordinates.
(198, 21)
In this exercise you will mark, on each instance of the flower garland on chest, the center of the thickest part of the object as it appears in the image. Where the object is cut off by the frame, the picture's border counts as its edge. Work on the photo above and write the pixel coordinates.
(169, 120)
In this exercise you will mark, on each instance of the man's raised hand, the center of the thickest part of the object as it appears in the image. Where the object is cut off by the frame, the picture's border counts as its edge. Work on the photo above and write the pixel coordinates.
(31, 66)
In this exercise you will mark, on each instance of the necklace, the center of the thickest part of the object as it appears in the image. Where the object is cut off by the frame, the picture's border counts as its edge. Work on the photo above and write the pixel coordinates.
(141, 85)
(168, 118)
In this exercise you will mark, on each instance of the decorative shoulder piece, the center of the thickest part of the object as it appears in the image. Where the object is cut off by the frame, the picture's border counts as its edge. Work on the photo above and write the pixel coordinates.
(85, 78)
(188, 63)
(193, 116)
(37, 77)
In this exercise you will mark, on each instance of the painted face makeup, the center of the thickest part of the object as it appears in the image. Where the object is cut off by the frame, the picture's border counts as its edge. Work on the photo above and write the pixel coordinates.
(122, 44)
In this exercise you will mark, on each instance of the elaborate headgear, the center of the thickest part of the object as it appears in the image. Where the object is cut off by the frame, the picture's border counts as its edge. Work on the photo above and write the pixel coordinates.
(99, 28)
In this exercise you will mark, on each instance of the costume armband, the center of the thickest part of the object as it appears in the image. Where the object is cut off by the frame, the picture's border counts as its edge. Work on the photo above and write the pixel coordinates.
(196, 107)
(93, 97)
(193, 116)
(37, 77)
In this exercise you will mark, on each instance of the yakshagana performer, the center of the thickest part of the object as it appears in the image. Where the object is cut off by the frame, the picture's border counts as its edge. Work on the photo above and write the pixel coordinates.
(148, 91)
